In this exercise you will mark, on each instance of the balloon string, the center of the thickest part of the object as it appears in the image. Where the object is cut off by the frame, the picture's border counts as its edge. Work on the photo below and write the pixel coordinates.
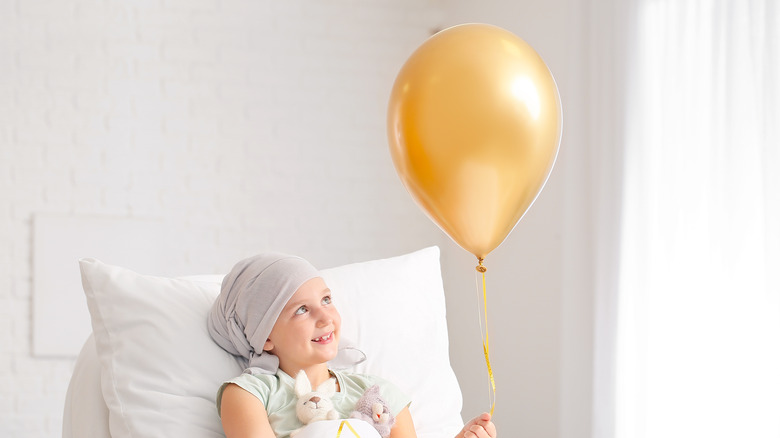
(486, 339)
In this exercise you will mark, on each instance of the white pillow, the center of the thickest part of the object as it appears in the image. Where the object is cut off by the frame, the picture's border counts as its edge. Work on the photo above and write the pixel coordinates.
(160, 369)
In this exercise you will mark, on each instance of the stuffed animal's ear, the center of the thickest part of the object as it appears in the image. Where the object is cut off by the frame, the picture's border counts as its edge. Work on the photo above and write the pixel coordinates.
(328, 387)
(373, 392)
(302, 384)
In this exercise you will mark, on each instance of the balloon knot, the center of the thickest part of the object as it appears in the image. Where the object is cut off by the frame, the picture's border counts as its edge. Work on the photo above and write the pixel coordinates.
(480, 266)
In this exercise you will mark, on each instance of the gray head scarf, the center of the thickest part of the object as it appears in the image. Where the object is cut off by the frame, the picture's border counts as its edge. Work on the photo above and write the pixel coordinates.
(253, 295)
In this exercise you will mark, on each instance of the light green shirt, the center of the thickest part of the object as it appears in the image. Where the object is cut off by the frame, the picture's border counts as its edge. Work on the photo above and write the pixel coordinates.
(277, 394)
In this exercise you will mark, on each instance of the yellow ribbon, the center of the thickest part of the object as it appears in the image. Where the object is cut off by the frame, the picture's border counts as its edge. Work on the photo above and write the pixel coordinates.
(341, 426)
(486, 340)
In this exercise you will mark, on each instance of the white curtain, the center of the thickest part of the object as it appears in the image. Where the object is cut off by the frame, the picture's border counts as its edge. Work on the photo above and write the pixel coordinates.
(698, 314)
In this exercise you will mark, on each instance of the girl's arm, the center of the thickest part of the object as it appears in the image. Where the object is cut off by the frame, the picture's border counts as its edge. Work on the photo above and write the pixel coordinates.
(243, 415)
(404, 426)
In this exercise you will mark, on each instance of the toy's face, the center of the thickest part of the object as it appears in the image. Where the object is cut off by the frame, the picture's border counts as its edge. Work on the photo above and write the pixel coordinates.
(308, 329)
(314, 408)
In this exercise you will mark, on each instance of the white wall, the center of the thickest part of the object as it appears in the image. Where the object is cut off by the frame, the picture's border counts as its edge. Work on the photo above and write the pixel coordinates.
(245, 126)
(257, 125)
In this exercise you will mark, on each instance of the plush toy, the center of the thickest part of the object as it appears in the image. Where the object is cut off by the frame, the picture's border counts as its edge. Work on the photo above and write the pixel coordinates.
(372, 408)
(314, 405)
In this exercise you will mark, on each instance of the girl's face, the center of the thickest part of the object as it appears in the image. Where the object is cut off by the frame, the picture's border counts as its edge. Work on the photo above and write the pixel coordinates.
(307, 331)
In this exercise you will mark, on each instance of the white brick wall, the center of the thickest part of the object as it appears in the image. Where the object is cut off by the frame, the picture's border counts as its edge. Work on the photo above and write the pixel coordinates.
(244, 125)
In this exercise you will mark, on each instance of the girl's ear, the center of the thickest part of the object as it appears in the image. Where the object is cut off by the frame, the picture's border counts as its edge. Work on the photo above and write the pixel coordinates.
(268, 346)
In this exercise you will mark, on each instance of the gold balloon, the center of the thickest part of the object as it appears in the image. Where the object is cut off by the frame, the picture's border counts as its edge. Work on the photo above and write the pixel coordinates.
(474, 123)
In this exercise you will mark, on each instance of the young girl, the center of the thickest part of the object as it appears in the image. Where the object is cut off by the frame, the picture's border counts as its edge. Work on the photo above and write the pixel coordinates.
(276, 312)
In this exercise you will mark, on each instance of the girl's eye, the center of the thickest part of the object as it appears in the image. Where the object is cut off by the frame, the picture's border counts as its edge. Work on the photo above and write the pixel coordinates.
(326, 300)
(301, 310)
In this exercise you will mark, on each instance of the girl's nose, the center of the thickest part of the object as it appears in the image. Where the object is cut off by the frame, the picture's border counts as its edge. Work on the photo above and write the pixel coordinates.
(324, 319)
(324, 322)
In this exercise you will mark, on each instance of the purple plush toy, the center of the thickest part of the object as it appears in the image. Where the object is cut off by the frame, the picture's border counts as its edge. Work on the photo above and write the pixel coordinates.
(373, 409)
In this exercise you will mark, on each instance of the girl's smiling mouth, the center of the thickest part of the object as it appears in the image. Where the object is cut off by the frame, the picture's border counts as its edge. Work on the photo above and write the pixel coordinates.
(324, 339)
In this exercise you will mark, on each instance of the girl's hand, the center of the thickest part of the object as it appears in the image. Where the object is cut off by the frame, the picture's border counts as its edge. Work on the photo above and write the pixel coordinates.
(479, 427)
